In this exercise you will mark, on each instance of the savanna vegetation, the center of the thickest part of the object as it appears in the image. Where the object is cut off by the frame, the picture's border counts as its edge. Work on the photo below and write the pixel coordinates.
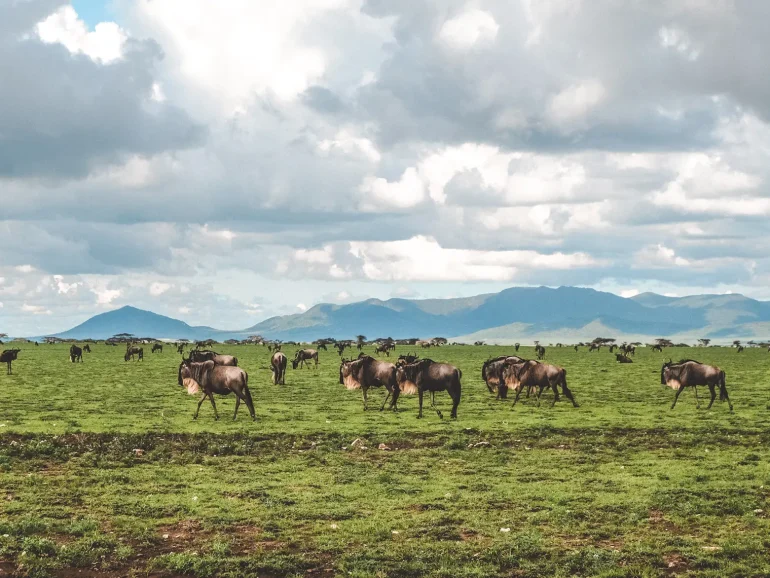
(103, 472)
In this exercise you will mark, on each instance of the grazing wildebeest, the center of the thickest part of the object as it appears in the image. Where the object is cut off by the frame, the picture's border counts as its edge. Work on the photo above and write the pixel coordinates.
(211, 378)
(367, 372)
(594, 347)
(278, 363)
(576, 348)
(527, 374)
(303, 356)
(322, 346)
(9, 356)
(86, 348)
(690, 373)
(157, 347)
(274, 347)
(492, 374)
(382, 348)
(201, 355)
(341, 345)
(180, 348)
(657, 348)
(427, 375)
(622, 358)
(424, 344)
(516, 347)
(613, 347)
(76, 354)
(740, 349)
(540, 351)
(134, 351)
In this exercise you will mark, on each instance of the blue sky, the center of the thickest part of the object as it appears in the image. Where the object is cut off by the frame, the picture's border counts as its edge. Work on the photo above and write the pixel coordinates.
(225, 161)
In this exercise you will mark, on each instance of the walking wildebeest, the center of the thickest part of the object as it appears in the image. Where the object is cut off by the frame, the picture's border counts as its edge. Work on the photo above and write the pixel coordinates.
(76, 354)
(594, 347)
(9, 356)
(86, 348)
(132, 351)
(690, 373)
(516, 347)
(406, 359)
(622, 358)
(180, 348)
(367, 372)
(211, 378)
(303, 356)
(201, 355)
(382, 348)
(278, 363)
(427, 375)
(540, 351)
(157, 347)
(274, 347)
(657, 348)
(526, 374)
(576, 348)
(740, 349)
(492, 374)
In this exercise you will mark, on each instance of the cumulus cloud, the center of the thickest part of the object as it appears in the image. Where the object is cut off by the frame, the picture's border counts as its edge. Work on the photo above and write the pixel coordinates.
(157, 160)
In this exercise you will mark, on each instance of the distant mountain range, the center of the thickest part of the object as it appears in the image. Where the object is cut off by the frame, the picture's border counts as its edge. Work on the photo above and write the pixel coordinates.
(523, 314)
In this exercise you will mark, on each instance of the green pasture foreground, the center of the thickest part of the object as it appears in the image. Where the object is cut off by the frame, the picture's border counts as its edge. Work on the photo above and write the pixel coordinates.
(104, 473)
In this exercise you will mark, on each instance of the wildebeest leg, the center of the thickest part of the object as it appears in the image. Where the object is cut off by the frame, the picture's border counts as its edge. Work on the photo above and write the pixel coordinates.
(214, 405)
(199, 405)
(419, 392)
(713, 395)
(237, 403)
(455, 402)
(433, 404)
(697, 401)
(515, 399)
(568, 394)
(363, 392)
(676, 397)
(555, 394)
(386, 399)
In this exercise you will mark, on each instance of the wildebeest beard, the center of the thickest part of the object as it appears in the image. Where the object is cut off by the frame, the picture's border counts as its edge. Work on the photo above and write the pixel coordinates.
(192, 383)
(347, 377)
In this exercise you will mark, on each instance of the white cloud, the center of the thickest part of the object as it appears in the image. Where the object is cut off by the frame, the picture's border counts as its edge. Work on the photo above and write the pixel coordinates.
(184, 310)
(25, 268)
(157, 288)
(302, 307)
(471, 28)
(35, 309)
(657, 256)
(628, 293)
(407, 192)
(104, 44)
(348, 144)
(576, 101)
(63, 287)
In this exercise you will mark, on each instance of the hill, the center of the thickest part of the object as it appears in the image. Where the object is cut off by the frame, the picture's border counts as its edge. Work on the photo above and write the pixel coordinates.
(515, 314)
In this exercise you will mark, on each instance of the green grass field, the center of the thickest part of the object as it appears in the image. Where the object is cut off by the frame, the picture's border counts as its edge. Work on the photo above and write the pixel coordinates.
(103, 472)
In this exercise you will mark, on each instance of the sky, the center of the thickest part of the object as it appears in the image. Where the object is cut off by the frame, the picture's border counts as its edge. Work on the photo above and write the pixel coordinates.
(223, 162)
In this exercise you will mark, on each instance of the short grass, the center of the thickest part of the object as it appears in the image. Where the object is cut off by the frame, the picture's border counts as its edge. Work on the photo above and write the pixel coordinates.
(103, 472)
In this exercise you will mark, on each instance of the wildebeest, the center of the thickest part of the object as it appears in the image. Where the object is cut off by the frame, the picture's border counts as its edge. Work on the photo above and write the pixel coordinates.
(382, 348)
(518, 376)
(427, 375)
(690, 373)
(278, 363)
(157, 347)
(180, 348)
(303, 356)
(211, 378)
(86, 348)
(367, 372)
(540, 351)
(76, 354)
(740, 349)
(274, 347)
(201, 355)
(576, 348)
(594, 347)
(492, 374)
(626, 349)
(516, 347)
(408, 358)
(613, 347)
(134, 351)
(424, 344)
(622, 358)
(9, 356)
(341, 345)
(657, 348)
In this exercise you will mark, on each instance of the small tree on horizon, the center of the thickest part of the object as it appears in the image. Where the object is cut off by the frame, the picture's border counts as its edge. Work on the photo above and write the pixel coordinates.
(704, 342)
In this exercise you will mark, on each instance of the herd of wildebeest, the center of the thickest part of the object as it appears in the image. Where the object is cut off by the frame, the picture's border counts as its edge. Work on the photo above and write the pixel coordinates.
(207, 372)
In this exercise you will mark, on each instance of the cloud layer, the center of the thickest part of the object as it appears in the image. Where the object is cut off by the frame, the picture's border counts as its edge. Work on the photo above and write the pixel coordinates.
(199, 159)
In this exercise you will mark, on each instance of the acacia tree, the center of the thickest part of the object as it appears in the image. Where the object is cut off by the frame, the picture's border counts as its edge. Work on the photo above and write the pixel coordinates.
(704, 342)
(360, 341)
(737, 343)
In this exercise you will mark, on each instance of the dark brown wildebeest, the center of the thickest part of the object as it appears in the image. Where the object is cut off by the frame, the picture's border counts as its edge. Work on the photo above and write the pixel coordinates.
(86, 348)
(576, 348)
(274, 347)
(201, 355)
(427, 375)
(516, 347)
(613, 347)
(134, 351)
(690, 373)
(180, 348)
(76, 354)
(341, 346)
(202, 344)
(657, 348)
(382, 348)
(540, 351)
(303, 356)
(527, 374)
(278, 364)
(157, 347)
(9, 356)
(622, 358)
(492, 374)
(367, 372)
(594, 347)
(210, 378)
(406, 359)
(740, 349)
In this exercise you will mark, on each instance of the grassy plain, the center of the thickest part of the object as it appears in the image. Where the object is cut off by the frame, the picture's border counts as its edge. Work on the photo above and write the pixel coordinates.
(103, 472)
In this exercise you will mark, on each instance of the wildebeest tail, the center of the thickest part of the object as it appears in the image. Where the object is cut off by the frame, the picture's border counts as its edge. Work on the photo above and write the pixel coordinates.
(722, 387)
(247, 392)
